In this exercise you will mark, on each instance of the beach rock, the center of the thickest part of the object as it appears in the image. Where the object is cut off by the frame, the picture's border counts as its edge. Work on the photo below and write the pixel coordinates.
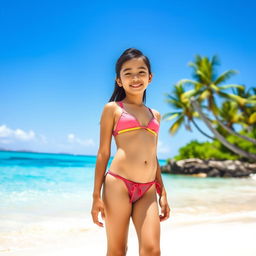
(214, 172)
(209, 168)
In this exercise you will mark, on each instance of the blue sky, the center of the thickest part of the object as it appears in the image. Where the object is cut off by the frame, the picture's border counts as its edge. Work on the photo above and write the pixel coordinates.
(57, 63)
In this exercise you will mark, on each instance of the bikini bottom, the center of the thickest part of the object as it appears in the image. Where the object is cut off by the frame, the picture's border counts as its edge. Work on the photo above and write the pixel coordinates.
(136, 189)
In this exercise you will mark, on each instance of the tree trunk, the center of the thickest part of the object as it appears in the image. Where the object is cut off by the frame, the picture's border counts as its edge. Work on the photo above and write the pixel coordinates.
(200, 130)
(252, 140)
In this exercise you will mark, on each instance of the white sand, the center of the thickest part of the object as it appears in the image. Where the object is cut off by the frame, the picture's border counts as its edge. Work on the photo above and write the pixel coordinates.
(234, 237)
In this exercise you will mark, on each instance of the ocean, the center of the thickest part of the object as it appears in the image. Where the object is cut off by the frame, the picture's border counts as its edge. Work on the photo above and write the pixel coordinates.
(44, 193)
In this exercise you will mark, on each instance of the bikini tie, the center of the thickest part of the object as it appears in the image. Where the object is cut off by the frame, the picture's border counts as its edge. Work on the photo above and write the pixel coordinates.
(158, 188)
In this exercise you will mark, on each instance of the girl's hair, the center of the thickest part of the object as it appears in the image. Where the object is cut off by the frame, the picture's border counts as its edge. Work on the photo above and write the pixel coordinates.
(128, 54)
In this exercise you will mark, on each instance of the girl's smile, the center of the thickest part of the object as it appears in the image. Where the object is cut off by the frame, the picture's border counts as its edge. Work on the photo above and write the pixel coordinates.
(136, 85)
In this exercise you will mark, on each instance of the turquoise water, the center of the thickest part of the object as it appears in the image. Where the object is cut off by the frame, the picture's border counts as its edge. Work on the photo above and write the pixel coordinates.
(46, 183)
(42, 172)
(53, 180)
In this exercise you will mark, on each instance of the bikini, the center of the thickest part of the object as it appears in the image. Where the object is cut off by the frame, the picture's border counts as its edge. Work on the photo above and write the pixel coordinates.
(126, 123)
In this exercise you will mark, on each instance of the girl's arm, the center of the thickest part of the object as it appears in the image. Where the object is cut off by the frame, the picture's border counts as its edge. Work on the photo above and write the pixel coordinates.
(160, 180)
(101, 164)
(165, 209)
(103, 155)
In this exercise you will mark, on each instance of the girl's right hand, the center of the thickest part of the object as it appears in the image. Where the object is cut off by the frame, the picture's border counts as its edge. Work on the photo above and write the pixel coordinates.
(97, 206)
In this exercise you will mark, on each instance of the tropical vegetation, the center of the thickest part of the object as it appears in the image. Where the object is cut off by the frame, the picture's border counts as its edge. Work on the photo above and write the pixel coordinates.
(230, 116)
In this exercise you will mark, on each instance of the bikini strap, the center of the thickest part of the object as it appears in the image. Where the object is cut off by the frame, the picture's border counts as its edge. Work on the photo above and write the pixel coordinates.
(151, 111)
(120, 103)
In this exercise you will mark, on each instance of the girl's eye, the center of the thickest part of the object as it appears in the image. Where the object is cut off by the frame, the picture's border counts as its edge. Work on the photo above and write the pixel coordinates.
(142, 72)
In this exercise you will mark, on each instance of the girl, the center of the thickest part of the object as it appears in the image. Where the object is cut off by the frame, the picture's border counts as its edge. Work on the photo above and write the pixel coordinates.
(134, 177)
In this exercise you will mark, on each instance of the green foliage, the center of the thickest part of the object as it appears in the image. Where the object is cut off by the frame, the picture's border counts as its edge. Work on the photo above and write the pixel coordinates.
(243, 144)
(215, 150)
(203, 150)
(239, 108)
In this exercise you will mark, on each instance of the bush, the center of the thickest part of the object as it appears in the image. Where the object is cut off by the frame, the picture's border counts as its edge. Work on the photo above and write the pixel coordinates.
(216, 150)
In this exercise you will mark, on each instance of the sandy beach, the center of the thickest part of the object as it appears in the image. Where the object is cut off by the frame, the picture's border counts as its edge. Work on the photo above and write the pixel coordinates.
(226, 235)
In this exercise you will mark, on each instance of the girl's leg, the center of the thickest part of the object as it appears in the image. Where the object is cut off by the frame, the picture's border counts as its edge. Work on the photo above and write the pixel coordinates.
(117, 215)
(145, 216)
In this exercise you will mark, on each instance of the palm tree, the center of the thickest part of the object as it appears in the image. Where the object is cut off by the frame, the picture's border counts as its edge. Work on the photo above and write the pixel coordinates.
(230, 116)
(184, 114)
(230, 146)
(206, 86)
(207, 82)
(249, 111)
(246, 117)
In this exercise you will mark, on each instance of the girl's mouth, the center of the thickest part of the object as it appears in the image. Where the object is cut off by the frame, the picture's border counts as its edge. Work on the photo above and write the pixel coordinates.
(135, 85)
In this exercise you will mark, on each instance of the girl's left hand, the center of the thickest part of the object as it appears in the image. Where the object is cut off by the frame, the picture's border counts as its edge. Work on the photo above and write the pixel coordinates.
(165, 209)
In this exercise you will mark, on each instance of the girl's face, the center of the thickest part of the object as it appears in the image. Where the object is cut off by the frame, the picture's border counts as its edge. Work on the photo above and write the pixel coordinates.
(134, 76)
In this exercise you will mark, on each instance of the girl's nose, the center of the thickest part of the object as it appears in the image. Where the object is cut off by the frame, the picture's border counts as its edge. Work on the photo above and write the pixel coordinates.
(135, 77)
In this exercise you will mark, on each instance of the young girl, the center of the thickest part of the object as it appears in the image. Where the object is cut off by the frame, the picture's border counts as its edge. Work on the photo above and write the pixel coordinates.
(134, 177)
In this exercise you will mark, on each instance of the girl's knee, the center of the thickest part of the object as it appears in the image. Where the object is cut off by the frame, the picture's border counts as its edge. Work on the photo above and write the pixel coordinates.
(150, 250)
(117, 251)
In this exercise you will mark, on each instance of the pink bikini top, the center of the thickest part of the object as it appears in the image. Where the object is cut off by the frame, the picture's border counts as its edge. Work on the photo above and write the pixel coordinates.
(128, 122)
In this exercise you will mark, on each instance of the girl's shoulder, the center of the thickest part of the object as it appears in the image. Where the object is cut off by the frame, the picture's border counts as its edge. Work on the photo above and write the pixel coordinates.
(110, 108)
(108, 113)
(112, 105)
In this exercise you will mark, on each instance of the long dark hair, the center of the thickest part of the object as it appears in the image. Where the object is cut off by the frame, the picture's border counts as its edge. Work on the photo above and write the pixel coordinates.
(130, 53)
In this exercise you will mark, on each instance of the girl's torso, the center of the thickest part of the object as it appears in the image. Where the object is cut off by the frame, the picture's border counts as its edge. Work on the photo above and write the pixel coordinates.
(136, 143)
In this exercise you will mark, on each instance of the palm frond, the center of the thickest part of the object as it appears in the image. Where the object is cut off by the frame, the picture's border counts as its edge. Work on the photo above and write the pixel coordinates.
(241, 101)
(215, 60)
(176, 125)
(252, 118)
(171, 115)
(203, 77)
(224, 76)
(227, 86)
